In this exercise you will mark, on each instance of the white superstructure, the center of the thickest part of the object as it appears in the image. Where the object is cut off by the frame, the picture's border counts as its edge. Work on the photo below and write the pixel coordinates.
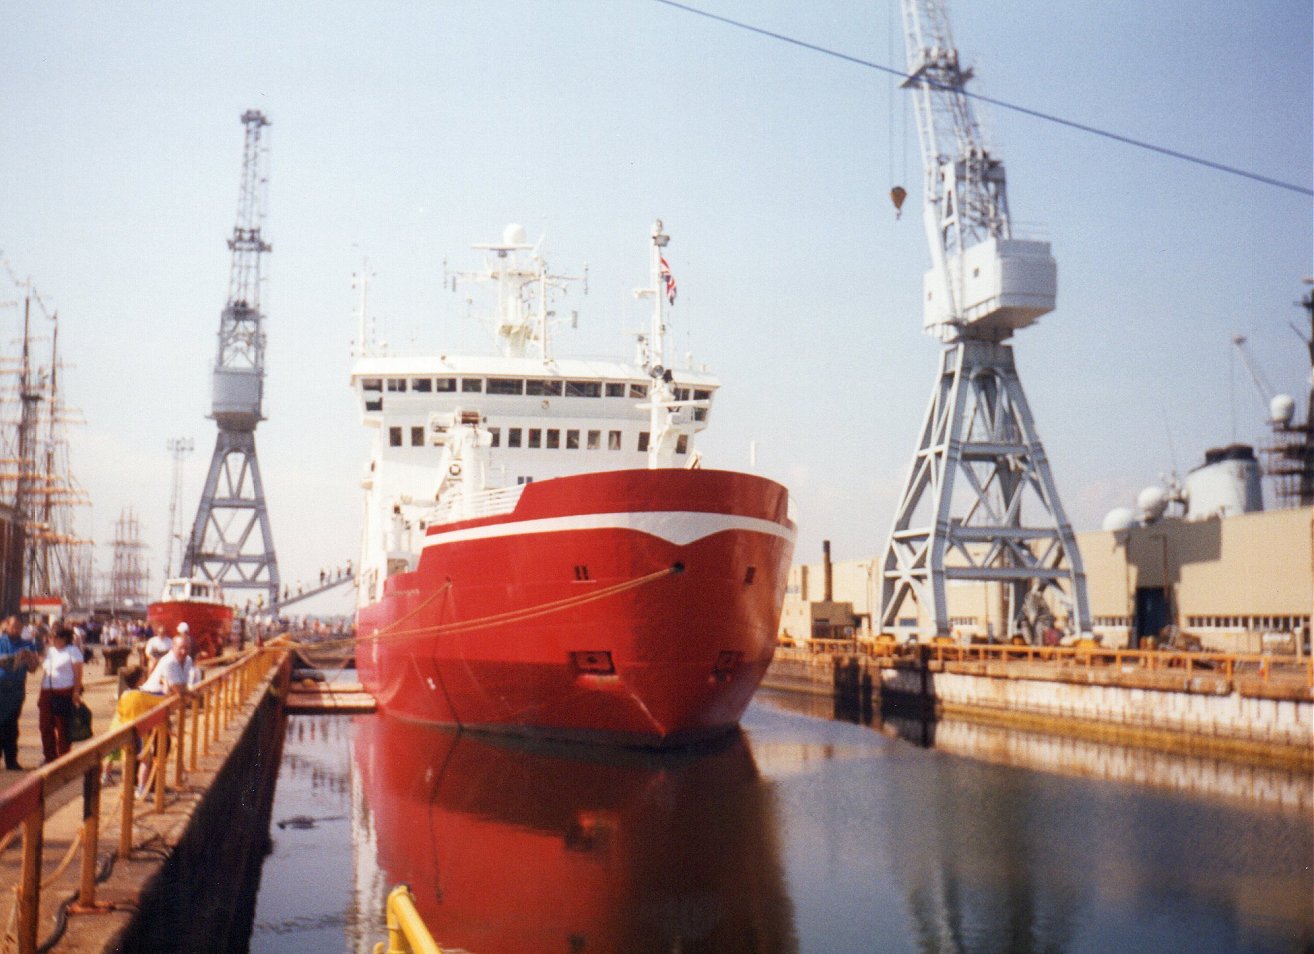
(459, 436)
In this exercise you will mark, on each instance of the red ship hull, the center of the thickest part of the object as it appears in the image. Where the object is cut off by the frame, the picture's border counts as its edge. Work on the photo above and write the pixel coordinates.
(511, 846)
(208, 623)
(635, 606)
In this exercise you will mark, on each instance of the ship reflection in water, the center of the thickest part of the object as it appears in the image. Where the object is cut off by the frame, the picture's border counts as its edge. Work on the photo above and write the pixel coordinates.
(802, 833)
(511, 846)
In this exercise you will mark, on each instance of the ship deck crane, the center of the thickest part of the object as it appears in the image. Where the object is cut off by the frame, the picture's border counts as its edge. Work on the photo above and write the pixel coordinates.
(979, 502)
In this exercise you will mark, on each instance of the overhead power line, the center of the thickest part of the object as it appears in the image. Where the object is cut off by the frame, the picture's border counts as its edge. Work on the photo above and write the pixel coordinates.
(1002, 104)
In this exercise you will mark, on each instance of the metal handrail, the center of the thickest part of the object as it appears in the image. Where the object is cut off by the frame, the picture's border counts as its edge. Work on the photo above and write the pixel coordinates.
(218, 696)
(1266, 667)
(484, 503)
(407, 933)
(1228, 665)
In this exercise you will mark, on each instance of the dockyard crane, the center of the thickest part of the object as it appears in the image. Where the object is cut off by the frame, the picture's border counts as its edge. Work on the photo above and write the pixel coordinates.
(979, 502)
(231, 540)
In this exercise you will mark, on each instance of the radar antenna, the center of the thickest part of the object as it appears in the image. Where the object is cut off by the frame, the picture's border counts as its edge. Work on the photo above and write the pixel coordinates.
(224, 545)
(983, 285)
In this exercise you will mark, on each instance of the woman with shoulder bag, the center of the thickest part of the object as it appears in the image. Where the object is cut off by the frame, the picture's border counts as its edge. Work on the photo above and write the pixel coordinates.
(61, 690)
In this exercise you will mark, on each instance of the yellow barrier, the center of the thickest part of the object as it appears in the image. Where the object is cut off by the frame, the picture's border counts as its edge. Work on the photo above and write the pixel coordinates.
(407, 933)
(218, 696)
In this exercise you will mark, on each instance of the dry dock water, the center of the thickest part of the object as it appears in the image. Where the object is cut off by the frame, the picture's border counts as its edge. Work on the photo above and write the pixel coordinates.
(197, 844)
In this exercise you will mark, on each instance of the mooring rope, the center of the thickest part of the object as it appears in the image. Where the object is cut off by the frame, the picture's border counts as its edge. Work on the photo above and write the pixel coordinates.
(521, 615)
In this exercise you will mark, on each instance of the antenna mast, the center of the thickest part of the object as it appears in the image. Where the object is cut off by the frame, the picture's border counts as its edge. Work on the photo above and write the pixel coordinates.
(178, 447)
(983, 285)
(223, 545)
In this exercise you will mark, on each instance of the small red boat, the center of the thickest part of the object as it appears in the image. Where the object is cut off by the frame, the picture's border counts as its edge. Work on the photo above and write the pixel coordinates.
(198, 603)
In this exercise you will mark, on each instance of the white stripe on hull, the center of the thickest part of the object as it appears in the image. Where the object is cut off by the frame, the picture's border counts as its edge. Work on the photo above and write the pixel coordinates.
(680, 527)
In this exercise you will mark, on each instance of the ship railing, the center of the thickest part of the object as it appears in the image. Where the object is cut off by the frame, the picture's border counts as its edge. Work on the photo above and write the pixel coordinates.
(407, 933)
(1265, 668)
(485, 503)
(832, 646)
(174, 735)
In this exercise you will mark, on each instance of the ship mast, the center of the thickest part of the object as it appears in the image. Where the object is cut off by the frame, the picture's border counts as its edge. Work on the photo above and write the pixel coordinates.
(656, 363)
(29, 396)
(519, 330)
(43, 489)
(668, 417)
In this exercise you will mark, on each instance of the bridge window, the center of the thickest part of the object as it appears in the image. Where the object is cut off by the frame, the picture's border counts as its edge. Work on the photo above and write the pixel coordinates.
(397, 384)
(615, 389)
(594, 440)
(553, 438)
(417, 436)
(472, 385)
(513, 437)
(540, 387)
(422, 384)
(701, 395)
(444, 385)
(572, 440)
(371, 384)
(376, 405)
(638, 390)
(583, 389)
(535, 437)
(613, 440)
(506, 386)
(394, 437)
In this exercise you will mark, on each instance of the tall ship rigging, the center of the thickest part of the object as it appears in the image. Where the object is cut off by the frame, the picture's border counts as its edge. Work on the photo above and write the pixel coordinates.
(543, 552)
(46, 562)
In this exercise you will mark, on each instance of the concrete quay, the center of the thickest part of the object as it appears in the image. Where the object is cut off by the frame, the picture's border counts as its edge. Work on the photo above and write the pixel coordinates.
(1251, 716)
(180, 887)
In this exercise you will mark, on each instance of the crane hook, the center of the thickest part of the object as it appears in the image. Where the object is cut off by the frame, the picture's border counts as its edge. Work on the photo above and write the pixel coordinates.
(897, 195)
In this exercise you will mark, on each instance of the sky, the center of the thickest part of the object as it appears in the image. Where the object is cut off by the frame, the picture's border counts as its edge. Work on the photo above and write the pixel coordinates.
(404, 133)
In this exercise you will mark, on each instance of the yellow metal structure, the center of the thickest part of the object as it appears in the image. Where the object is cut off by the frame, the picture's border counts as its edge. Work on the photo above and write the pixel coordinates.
(407, 933)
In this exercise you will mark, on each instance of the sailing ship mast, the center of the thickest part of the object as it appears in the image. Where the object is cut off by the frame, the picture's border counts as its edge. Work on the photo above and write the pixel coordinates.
(37, 482)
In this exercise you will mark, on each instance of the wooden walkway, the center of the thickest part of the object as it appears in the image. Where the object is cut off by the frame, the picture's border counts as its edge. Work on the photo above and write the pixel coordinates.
(340, 698)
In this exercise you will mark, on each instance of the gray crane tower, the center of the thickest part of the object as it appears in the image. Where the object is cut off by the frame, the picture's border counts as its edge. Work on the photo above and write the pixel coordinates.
(979, 502)
(224, 544)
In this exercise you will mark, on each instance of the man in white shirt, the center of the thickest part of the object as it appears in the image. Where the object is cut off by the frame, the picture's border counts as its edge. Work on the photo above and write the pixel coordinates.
(173, 674)
(156, 648)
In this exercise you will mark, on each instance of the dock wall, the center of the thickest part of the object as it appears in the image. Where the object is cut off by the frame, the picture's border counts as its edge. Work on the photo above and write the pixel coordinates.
(1241, 717)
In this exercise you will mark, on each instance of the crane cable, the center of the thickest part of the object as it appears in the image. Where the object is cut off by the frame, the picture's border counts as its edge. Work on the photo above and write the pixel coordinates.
(1003, 104)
